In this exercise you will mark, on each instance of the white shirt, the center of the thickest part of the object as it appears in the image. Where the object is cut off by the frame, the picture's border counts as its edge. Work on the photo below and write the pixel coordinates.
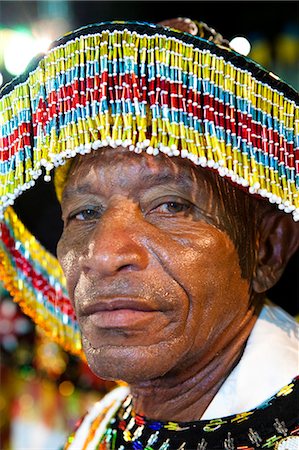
(269, 362)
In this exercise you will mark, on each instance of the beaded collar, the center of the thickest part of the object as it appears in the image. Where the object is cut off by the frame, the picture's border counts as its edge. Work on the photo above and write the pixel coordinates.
(274, 424)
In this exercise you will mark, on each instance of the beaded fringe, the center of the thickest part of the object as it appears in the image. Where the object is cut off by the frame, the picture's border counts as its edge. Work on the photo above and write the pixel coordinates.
(35, 280)
(154, 94)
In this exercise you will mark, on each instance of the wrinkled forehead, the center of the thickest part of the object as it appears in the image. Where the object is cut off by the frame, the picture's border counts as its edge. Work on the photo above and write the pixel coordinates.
(124, 169)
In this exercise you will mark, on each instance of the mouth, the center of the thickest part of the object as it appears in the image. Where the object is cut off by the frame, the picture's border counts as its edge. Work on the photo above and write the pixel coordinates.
(120, 313)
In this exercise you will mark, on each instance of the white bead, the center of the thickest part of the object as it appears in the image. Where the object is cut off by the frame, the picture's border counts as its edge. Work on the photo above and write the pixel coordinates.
(272, 199)
(95, 145)
(184, 153)
(146, 143)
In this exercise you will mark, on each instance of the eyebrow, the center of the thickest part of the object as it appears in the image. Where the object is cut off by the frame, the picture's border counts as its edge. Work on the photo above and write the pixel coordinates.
(81, 189)
(183, 179)
(165, 178)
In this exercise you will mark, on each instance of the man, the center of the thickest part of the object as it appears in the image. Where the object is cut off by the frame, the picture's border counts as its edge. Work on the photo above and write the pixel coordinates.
(168, 254)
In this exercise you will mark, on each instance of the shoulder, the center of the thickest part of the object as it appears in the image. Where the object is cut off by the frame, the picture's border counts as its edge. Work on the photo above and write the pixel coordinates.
(94, 423)
(274, 424)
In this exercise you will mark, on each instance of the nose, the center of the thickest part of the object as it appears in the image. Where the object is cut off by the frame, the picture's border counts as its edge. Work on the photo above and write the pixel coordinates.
(116, 244)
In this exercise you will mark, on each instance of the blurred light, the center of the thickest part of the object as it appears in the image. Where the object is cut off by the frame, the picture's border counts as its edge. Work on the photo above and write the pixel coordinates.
(9, 342)
(66, 388)
(261, 51)
(18, 51)
(287, 49)
(21, 325)
(20, 47)
(42, 44)
(1, 79)
(6, 326)
(241, 45)
(8, 309)
(26, 401)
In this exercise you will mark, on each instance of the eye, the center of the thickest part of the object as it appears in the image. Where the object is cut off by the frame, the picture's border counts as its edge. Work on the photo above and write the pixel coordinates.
(84, 215)
(173, 207)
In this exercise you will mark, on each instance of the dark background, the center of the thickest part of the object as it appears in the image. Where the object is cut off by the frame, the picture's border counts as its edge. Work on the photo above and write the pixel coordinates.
(227, 17)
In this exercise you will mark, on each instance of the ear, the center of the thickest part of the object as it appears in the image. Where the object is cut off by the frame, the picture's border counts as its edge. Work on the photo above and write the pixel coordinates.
(278, 240)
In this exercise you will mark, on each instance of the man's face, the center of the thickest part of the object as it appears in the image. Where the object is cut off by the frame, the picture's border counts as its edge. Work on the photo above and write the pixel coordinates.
(155, 282)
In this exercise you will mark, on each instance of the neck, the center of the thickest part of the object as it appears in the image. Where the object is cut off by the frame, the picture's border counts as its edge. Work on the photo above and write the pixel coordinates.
(184, 394)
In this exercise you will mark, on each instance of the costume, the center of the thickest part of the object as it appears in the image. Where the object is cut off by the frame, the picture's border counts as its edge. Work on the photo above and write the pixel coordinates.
(149, 89)
(273, 425)
(237, 418)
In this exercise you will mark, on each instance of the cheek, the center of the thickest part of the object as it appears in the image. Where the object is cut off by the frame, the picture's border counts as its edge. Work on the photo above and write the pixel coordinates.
(68, 252)
(206, 264)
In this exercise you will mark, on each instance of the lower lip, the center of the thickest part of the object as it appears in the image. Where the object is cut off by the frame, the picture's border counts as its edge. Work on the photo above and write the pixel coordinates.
(121, 318)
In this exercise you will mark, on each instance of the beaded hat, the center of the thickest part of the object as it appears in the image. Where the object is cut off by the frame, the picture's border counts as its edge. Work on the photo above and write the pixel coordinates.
(151, 89)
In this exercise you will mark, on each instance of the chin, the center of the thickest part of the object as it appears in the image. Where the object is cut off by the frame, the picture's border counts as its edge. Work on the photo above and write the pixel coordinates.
(129, 364)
